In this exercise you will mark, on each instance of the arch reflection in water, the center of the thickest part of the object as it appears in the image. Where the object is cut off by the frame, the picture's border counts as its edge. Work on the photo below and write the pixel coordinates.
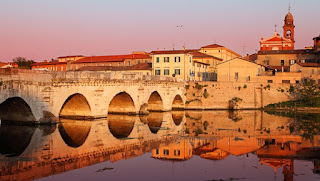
(154, 121)
(120, 126)
(177, 117)
(16, 109)
(177, 103)
(15, 139)
(74, 132)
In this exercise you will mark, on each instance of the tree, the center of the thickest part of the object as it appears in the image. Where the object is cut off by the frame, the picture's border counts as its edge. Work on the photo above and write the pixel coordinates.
(308, 92)
(23, 62)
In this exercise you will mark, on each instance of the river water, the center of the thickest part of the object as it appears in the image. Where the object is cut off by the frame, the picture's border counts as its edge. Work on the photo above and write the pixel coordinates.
(187, 145)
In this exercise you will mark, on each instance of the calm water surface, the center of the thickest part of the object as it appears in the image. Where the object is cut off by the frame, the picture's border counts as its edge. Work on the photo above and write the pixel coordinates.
(189, 145)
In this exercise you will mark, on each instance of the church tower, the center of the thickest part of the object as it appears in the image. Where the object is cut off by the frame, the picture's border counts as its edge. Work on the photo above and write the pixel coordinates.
(288, 28)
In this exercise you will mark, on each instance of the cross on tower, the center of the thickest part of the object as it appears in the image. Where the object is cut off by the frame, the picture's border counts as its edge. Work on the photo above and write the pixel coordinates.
(275, 28)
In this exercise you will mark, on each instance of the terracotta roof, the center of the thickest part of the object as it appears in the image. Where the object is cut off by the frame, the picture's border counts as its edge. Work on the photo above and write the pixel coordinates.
(140, 66)
(201, 62)
(203, 55)
(48, 63)
(111, 58)
(309, 64)
(213, 46)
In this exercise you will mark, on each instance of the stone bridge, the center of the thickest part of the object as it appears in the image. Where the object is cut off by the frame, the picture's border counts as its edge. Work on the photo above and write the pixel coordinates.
(42, 97)
(31, 152)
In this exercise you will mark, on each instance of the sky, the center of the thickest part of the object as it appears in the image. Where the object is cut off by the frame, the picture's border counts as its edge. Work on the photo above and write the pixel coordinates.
(46, 29)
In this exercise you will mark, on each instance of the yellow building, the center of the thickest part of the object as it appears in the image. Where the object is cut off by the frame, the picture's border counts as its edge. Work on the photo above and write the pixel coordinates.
(181, 150)
(239, 70)
(308, 70)
(219, 52)
(179, 63)
(70, 58)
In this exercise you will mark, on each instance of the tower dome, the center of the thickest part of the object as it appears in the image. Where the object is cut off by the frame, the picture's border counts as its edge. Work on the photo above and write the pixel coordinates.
(288, 17)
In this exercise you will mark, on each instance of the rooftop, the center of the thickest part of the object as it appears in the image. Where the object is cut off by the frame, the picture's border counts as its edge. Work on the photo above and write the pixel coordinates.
(203, 55)
(111, 58)
(213, 46)
(140, 66)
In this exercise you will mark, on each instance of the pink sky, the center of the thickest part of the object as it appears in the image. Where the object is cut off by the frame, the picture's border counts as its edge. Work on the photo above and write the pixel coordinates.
(41, 30)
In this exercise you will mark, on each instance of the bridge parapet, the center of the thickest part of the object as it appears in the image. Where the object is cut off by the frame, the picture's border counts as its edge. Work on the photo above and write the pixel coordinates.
(47, 92)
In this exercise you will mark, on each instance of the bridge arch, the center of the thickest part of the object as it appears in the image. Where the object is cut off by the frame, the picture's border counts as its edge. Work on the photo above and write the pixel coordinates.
(178, 103)
(76, 107)
(122, 103)
(16, 109)
(155, 102)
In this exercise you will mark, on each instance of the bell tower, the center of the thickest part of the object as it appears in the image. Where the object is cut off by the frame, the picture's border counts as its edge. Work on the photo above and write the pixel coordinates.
(288, 28)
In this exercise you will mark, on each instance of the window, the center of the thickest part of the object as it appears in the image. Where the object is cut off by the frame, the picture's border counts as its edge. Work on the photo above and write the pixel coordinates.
(303, 61)
(282, 62)
(165, 152)
(176, 59)
(138, 61)
(190, 59)
(157, 151)
(177, 71)
(248, 79)
(128, 63)
(157, 59)
(166, 72)
(286, 81)
(292, 62)
(236, 75)
(166, 59)
(178, 152)
(146, 61)
(270, 81)
(157, 72)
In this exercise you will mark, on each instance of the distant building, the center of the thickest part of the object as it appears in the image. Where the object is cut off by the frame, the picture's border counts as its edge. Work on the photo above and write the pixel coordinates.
(278, 52)
(111, 60)
(70, 58)
(8, 65)
(144, 68)
(52, 66)
(276, 42)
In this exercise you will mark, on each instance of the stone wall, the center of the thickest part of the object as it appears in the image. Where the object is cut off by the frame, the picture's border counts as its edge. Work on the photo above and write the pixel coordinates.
(213, 95)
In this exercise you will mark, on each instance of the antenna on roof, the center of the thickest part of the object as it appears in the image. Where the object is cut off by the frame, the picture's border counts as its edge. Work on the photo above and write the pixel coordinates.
(289, 6)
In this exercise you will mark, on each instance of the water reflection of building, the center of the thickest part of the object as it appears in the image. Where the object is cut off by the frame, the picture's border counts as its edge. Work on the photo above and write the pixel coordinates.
(179, 150)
